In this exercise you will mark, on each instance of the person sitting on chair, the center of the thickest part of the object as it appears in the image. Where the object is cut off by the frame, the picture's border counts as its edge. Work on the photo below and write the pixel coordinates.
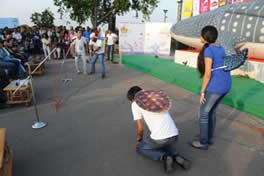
(153, 107)
(4, 57)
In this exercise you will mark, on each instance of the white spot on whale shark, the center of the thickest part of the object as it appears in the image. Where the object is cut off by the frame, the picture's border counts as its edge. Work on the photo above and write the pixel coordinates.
(249, 26)
(235, 24)
(261, 38)
(256, 8)
(248, 34)
(262, 30)
(244, 7)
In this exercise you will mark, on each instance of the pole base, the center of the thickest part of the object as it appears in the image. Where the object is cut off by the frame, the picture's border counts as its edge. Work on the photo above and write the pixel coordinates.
(38, 125)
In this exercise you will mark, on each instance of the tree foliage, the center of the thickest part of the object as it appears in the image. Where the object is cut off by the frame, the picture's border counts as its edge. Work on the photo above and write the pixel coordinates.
(43, 19)
(101, 11)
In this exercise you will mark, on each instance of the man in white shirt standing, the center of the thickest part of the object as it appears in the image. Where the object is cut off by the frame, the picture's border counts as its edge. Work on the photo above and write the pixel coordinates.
(80, 51)
(153, 107)
(111, 38)
(97, 51)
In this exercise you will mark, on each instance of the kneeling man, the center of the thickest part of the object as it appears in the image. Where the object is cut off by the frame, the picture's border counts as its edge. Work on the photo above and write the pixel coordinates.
(153, 106)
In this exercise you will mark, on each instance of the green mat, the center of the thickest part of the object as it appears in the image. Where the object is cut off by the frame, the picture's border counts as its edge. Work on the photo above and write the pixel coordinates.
(246, 95)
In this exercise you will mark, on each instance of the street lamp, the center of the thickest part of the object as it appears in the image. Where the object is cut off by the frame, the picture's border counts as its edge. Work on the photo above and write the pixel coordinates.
(136, 14)
(179, 10)
(165, 16)
(179, 15)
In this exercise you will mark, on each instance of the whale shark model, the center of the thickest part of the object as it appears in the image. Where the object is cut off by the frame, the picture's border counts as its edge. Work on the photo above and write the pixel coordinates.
(240, 26)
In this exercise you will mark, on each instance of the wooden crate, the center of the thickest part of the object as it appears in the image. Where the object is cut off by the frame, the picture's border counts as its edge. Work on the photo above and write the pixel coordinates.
(22, 96)
(40, 70)
(6, 155)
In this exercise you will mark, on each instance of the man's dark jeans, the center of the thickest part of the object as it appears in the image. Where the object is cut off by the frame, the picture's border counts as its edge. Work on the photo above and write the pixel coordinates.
(156, 149)
(110, 52)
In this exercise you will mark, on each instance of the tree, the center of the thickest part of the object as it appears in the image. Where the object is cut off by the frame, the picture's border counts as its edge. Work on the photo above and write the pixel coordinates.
(103, 11)
(43, 19)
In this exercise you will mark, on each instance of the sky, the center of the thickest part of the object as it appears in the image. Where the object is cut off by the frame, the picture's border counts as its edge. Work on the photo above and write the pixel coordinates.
(22, 9)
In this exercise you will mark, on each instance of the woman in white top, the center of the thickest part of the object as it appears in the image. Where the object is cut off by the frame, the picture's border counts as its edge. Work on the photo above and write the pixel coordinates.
(46, 45)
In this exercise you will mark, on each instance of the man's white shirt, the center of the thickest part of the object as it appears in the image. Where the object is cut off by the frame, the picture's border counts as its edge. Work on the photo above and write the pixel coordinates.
(17, 36)
(111, 38)
(97, 44)
(80, 45)
(160, 125)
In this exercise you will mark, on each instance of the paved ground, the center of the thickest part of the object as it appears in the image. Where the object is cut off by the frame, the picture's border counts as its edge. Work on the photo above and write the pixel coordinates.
(93, 132)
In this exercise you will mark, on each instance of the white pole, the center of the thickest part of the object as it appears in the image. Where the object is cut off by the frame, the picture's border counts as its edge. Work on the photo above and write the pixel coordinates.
(120, 53)
(38, 124)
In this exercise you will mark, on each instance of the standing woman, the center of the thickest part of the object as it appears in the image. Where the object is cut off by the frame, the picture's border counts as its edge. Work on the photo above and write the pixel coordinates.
(66, 42)
(216, 84)
(46, 43)
(53, 44)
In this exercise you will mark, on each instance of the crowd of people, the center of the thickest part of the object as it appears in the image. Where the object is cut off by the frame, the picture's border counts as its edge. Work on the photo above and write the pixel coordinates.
(22, 42)
(19, 45)
(90, 44)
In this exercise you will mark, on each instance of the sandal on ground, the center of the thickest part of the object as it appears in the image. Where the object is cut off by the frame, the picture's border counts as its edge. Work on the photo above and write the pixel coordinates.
(197, 137)
(203, 147)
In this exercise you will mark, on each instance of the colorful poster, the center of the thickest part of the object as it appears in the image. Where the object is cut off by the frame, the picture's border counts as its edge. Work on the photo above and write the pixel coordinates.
(229, 1)
(214, 4)
(222, 2)
(235, 1)
(157, 39)
(132, 38)
(204, 6)
(187, 9)
(196, 7)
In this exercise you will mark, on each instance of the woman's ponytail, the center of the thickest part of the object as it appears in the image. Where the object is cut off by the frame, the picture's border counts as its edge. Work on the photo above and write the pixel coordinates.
(200, 61)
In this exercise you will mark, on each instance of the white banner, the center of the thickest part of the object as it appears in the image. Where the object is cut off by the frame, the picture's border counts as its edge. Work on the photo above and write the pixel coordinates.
(157, 38)
(131, 38)
(148, 38)
(196, 7)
